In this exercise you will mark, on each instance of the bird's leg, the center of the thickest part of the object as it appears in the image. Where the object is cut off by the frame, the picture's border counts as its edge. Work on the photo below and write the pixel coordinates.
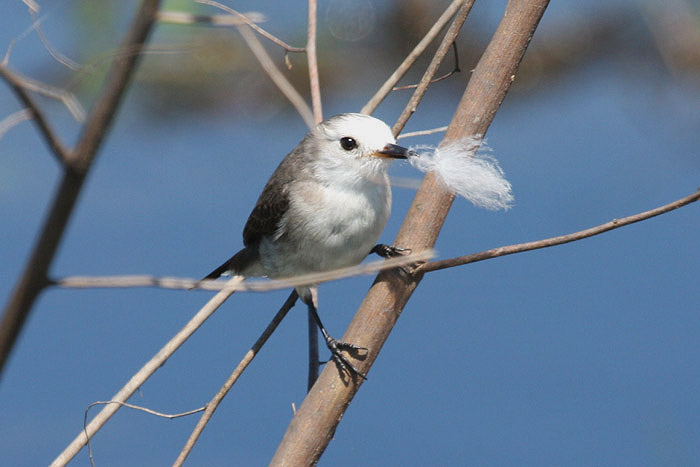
(335, 346)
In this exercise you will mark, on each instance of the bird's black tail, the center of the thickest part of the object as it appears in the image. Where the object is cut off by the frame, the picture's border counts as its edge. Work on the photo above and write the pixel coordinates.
(236, 264)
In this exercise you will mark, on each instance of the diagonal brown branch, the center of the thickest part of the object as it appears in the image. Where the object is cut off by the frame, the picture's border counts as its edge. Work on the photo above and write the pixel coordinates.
(316, 420)
(560, 240)
(34, 277)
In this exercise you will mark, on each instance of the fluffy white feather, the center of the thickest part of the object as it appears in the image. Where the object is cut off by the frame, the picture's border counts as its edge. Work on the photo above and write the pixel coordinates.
(468, 170)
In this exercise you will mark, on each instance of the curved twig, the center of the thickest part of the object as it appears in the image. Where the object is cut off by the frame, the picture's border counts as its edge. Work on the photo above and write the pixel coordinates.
(134, 407)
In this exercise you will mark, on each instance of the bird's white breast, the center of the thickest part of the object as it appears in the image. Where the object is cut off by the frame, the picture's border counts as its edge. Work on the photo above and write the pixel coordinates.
(328, 226)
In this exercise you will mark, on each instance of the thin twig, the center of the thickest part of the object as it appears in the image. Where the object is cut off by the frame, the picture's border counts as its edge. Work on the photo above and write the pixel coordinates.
(454, 70)
(55, 145)
(219, 397)
(421, 132)
(14, 119)
(68, 99)
(135, 407)
(32, 5)
(313, 64)
(447, 41)
(143, 374)
(182, 17)
(432, 33)
(560, 240)
(58, 56)
(235, 19)
(80, 282)
(15, 40)
(253, 26)
(270, 68)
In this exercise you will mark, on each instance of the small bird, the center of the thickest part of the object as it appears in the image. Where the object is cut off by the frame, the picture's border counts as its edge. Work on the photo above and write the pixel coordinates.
(323, 208)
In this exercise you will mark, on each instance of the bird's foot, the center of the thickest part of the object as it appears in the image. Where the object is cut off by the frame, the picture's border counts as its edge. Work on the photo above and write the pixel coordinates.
(336, 347)
(390, 251)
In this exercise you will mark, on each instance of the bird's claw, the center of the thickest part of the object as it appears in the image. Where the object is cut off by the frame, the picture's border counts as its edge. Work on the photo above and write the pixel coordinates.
(336, 347)
(390, 251)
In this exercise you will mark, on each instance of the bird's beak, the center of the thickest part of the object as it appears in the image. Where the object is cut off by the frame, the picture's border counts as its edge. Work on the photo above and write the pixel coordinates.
(392, 151)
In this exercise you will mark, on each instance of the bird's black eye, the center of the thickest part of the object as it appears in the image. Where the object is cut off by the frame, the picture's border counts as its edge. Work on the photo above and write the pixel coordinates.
(348, 143)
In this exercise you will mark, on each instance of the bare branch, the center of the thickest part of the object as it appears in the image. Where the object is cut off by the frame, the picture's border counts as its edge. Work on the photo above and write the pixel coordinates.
(251, 22)
(32, 5)
(234, 19)
(237, 372)
(315, 421)
(313, 64)
(560, 240)
(135, 407)
(142, 409)
(143, 374)
(67, 98)
(13, 42)
(18, 86)
(247, 286)
(447, 41)
(270, 68)
(58, 56)
(14, 119)
(181, 17)
(33, 278)
(422, 132)
(454, 70)
(432, 33)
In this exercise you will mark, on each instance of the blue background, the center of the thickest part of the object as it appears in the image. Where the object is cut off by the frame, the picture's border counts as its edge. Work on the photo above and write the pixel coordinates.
(581, 354)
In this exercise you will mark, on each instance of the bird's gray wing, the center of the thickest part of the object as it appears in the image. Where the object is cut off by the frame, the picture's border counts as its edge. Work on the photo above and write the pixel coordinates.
(263, 221)
(273, 203)
(267, 214)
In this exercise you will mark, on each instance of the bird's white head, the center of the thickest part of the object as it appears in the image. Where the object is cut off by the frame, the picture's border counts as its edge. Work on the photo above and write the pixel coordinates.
(358, 141)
